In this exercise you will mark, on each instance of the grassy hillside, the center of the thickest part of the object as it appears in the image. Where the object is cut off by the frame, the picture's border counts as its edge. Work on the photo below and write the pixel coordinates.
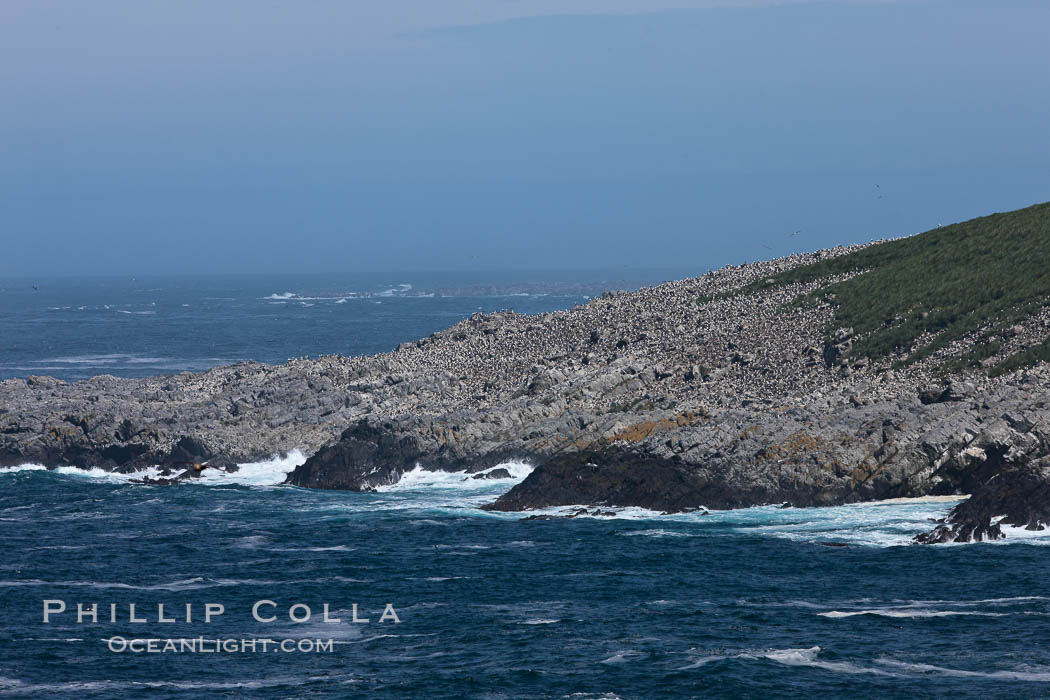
(982, 275)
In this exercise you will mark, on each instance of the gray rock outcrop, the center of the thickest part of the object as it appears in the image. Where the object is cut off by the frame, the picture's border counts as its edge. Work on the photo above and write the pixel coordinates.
(673, 397)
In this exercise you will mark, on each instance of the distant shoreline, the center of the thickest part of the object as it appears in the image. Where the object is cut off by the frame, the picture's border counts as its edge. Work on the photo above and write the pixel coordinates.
(722, 391)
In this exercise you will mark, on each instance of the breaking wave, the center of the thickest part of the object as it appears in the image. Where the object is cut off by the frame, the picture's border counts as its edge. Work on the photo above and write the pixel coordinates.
(420, 478)
(905, 613)
(342, 297)
(878, 524)
(269, 472)
(811, 657)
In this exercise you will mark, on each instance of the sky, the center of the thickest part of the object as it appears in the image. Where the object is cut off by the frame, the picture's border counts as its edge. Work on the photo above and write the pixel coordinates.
(175, 136)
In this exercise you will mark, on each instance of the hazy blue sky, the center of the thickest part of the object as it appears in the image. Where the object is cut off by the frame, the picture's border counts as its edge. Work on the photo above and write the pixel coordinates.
(249, 135)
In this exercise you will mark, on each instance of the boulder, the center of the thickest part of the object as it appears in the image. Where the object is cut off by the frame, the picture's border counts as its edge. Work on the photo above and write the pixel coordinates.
(1019, 497)
(498, 473)
(370, 453)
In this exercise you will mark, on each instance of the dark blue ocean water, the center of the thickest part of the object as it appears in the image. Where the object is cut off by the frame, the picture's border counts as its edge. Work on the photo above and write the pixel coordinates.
(743, 604)
(737, 604)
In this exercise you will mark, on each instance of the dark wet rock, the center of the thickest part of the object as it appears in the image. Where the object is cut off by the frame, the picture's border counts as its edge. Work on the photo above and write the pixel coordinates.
(1018, 497)
(499, 473)
(189, 449)
(575, 513)
(366, 455)
(617, 477)
(152, 481)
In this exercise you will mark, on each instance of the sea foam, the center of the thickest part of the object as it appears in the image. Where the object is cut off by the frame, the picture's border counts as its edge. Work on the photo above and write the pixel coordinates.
(421, 478)
(269, 472)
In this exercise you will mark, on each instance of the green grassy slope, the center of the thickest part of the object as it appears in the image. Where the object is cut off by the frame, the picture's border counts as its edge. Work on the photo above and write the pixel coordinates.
(980, 275)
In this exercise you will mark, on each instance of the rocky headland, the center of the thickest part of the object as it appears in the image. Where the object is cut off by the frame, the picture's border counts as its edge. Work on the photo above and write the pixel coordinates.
(899, 368)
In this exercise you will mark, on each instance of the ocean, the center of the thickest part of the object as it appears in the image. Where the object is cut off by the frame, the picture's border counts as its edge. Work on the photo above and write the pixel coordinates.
(755, 603)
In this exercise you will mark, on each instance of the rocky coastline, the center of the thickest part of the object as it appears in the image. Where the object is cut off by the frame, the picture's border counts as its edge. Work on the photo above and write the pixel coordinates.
(675, 397)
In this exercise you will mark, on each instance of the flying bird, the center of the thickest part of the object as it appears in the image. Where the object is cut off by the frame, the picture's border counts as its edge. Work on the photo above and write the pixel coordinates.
(197, 467)
(194, 471)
